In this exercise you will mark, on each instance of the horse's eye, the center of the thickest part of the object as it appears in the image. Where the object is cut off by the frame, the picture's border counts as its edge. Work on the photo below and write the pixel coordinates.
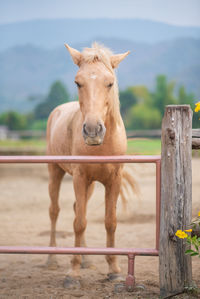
(78, 84)
(110, 85)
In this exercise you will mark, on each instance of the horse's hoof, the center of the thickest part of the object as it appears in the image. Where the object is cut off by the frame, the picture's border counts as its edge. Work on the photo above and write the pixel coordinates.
(52, 266)
(115, 277)
(71, 282)
(52, 263)
(119, 288)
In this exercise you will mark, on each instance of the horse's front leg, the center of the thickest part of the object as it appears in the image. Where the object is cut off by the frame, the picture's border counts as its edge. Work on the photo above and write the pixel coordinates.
(111, 196)
(81, 186)
(55, 177)
(86, 263)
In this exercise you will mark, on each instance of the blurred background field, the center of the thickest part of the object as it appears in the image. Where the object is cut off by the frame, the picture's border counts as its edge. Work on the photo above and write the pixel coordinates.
(144, 146)
(37, 73)
(34, 146)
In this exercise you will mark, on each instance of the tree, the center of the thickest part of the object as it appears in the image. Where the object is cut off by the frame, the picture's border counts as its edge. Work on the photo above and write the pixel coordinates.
(164, 93)
(142, 94)
(184, 97)
(189, 99)
(141, 116)
(13, 120)
(127, 100)
(56, 96)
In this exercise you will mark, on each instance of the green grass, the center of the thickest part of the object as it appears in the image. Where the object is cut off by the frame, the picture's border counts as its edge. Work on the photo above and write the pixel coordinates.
(32, 143)
(144, 146)
(135, 146)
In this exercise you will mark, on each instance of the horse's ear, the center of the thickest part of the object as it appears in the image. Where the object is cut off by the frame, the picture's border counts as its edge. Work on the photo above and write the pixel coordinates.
(76, 55)
(116, 59)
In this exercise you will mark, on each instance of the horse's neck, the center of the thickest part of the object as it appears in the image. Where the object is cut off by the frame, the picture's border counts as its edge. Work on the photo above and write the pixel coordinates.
(114, 124)
(115, 138)
(114, 119)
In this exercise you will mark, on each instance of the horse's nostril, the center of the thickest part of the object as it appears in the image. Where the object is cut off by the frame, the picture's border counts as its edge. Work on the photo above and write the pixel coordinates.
(84, 129)
(100, 128)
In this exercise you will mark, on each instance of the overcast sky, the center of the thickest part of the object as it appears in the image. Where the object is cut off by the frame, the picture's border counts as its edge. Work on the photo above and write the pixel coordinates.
(178, 12)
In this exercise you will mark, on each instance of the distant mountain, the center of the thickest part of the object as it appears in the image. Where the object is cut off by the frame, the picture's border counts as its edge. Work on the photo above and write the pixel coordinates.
(29, 70)
(53, 33)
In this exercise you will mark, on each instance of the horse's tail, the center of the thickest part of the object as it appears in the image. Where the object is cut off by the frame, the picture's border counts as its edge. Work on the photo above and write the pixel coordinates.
(128, 183)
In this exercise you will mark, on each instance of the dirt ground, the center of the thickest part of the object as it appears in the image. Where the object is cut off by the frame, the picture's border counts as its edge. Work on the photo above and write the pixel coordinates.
(24, 221)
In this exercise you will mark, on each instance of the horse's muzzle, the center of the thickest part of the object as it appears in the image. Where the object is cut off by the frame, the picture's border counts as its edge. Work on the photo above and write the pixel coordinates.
(93, 135)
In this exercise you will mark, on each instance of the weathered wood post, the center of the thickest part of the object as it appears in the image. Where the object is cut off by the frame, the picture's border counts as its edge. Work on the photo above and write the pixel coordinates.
(176, 199)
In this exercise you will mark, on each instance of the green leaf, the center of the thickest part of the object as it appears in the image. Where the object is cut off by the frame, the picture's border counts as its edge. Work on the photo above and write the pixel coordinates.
(189, 251)
(193, 254)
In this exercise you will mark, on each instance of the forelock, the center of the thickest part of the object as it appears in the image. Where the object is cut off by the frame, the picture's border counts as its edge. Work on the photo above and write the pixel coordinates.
(98, 53)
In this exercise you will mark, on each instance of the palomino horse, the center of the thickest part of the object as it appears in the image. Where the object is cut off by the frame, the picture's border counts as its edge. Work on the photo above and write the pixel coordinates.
(92, 126)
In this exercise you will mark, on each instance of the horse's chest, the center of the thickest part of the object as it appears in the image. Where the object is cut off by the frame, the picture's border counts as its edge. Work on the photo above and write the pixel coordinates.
(99, 172)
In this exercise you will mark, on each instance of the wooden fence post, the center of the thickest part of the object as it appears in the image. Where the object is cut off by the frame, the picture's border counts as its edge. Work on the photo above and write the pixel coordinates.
(176, 199)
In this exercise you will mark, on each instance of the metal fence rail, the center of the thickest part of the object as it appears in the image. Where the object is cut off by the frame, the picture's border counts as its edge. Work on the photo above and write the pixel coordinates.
(79, 159)
(129, 252)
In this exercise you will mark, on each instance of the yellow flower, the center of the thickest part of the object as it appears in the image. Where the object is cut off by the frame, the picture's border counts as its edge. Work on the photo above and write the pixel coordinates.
(188, 230)
(199, 214)
(197, 108)
(180, 234)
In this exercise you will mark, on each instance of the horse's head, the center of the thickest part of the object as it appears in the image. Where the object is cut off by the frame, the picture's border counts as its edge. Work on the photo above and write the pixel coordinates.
(97, 88)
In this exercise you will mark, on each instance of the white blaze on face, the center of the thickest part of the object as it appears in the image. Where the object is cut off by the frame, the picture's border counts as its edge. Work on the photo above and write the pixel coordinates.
(93, 76)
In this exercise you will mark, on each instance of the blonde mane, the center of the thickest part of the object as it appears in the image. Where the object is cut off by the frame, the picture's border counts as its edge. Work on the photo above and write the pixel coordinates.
(99, 53)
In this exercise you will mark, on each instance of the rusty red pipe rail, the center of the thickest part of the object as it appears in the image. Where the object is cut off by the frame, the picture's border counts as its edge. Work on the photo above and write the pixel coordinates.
(130, 279)
(77, 250)
(79, 159)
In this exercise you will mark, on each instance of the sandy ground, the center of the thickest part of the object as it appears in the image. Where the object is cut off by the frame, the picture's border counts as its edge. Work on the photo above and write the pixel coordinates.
(24, 221)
